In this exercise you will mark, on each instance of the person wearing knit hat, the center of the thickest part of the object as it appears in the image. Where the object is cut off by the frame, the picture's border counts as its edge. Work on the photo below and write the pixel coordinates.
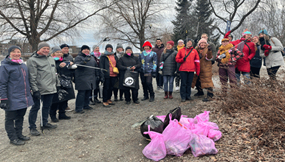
(119, 53)
(180, 45)
(271, 49)
(55, 49)
(168, 67)
(108, 61)
(204, 80)
(64, 45)
(15, 94)
(84, 47)
(148, 59)
(43, 49)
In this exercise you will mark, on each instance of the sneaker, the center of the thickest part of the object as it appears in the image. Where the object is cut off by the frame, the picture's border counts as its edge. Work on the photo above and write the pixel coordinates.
(49, 126)
(34, 132)
(24, 138)
(88, 108)
(183, 100)
(137, 102)
(17, 142)
(145, 98)
(177, 88)
(64, 117)
(54, 119)
(68, 109)
(128, 102)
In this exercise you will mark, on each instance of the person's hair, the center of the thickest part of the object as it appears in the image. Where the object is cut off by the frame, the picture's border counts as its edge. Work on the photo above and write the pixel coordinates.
(204, 34)
(158, 39)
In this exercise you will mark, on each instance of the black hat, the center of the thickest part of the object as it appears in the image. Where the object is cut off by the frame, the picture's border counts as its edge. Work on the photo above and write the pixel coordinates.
(12, 48)
(108, 46)
(187, 40)
(64, 45)
(84, 47)
(128, 48)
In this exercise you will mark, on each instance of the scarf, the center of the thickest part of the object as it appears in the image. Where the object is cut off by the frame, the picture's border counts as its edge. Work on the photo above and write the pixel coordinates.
(96, 54)
(180, 47)
(225, 49)
(20, 61)
(108, 53)
(57, 58)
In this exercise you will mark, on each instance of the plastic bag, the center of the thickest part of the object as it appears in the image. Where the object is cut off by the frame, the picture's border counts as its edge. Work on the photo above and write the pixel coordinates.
(176, 138)
(214, 134)
(162, 117)
(202, 117)
(201, 129)
(202, 145)
(156, 125)
(175, 113)
(155, 150)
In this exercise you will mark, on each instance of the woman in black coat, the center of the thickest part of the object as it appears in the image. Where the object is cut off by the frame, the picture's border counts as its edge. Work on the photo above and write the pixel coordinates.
(64, 94)
(129, 62)
(256, 61)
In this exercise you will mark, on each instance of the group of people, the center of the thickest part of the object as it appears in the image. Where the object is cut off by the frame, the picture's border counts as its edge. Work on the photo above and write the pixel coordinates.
(49, 74)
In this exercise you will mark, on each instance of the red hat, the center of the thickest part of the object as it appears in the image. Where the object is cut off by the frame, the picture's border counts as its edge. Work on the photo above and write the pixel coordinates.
(170, 42)
(147, 43)
(226, 37)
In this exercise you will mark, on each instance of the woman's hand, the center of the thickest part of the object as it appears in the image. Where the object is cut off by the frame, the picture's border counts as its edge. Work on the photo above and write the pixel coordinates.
(63, 64)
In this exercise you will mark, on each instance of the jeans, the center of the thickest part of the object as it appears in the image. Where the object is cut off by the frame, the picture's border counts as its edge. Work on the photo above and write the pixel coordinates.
(47, 102)
(14, 123)
(168, 79)
(246, 77)
(186, 81)
(159, 79)
(82, 100)
(272, 72)
(128, 94)
(147, 85)
(227, 73)
(60, 106)
(108, 88)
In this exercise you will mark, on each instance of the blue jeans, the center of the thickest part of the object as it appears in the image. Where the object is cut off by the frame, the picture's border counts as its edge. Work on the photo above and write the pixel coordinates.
(47, 102)
(168, 79)
(186, 81)
(246, 77)
(82, 100)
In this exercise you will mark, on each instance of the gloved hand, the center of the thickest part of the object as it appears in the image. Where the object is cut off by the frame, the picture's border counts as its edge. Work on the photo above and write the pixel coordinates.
(37, 95)
(266, 52)
(4, 104)
(267, 47)
(153, 75)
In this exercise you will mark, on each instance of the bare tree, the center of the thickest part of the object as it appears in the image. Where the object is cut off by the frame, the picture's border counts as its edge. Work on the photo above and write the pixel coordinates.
(132, 21)
(43, 20)
(231, 11)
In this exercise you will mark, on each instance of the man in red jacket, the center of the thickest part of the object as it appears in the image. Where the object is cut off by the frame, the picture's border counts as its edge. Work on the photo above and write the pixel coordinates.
(248, 49)
(190, 62)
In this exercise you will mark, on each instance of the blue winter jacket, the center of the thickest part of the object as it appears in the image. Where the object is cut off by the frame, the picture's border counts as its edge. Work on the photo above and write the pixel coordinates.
(148, 62)
(14, 85)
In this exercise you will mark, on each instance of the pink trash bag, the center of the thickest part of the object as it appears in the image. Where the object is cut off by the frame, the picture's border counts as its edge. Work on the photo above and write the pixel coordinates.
(176, 138)
(201, 129)
(155, 150)
(214, 134)
(202, 117)
(202, 145)
(162, 117)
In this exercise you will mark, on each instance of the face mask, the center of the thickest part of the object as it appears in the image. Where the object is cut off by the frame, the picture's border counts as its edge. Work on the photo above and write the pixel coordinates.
(55, 58)
(148, 51)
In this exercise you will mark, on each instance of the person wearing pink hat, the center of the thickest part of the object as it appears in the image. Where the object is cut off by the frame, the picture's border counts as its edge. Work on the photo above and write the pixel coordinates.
(204, 80)
(168, 67)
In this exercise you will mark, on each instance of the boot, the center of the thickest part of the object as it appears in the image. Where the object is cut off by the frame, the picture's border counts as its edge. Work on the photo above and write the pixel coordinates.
(96, 100)
(34, 132)
(165, 95)
(63, 116)
(17, 142)
(170, 95)
(145, 98)
(54, 119)
(199, 93)
(151, 99)
(49, 126)
(23, 138)
(91, 102)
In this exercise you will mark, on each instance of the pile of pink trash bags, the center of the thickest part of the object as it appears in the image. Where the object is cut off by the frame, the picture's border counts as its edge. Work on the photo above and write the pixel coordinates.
(197, 133)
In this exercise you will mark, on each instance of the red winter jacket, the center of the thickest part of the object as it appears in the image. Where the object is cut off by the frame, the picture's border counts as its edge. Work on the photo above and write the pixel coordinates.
(243, 64)
(192, 62)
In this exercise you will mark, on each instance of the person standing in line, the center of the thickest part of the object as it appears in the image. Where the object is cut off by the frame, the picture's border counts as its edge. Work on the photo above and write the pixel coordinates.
(129, 62)
(189, 59)
(15, 94)
(119, 53)
(44, 82)
(256, 61)
(270, 49)
(158, 49)
(211, 46)
(180, 45)
(108, 61)
(148, 59)
(168, 66)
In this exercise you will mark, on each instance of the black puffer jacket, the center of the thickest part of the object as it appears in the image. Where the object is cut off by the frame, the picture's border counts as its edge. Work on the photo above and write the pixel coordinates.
(85, 78)
(170, 65)
(125, 62)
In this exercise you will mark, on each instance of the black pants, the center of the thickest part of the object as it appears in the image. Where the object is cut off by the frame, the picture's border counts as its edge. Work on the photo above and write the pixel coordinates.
(147, 85)
(186, 81)
(14, 123)
(82, 100)
(108, 88)
(272, 72)
(60, 106)
(254, 72)
(135, 94)
(200, 90)
(159, 79)
(116, 93)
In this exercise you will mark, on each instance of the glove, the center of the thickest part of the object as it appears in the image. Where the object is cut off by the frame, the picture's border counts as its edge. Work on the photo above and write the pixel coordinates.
(213, 62)
(74, 66)
(37, 95)
(222, 56)
(267, 47)
(4, 104)
(153, 75)
(266, 52)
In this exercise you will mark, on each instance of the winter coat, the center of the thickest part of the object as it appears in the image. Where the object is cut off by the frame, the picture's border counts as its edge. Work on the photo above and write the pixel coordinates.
(275, 57)
(148, 62)
(170, 65)
(85, 78)
(125, 62)
(42, 74)
(158, 51)
(256, 61)
(105, 64)
(234, 53)
(188, 65)
(243, 64)
(206, 74)
(64, 72)
(68, 58)
(14, 85)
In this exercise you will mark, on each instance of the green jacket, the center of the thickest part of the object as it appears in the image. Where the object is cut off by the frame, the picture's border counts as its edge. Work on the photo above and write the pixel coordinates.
(43, 75)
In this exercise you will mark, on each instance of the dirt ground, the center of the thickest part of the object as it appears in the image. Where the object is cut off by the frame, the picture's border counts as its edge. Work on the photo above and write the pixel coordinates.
(106, 134)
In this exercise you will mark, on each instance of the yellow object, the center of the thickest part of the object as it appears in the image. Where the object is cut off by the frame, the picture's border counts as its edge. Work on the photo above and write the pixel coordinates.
(115, 69)
(225, 49)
